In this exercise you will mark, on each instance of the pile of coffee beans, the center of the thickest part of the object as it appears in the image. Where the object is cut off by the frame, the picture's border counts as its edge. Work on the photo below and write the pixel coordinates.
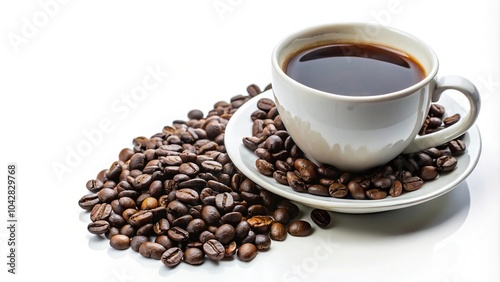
(177, 197)
(279, 157)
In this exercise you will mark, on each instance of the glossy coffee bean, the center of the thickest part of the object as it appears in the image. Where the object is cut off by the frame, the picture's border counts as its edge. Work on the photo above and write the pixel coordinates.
(193, 256)
(151, 250)
(246, 252)
(320, 217)
(214, 249)
(120, 242)
(277, 231)
(172, 256)
(299, 228)
(137, 241)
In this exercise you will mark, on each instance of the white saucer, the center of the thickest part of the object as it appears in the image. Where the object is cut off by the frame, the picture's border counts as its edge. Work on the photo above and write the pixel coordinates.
(240, 125)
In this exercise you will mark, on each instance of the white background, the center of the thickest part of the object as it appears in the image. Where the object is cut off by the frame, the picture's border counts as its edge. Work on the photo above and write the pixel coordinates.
(68, 68)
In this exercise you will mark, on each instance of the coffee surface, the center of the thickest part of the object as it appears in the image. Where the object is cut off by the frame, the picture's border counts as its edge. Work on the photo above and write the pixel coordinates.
(354, 69)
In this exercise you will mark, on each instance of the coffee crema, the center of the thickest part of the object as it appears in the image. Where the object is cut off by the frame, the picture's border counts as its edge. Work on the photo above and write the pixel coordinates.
(354, 69)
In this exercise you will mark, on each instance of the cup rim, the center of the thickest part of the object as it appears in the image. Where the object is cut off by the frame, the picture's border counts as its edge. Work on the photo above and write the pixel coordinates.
(370, 98)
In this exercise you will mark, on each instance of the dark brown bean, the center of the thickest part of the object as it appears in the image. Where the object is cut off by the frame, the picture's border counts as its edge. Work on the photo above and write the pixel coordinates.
(151, 250)
(120, 242)
(321, 217)
(277, 231)
(214, 249)
(193, 256)
(172, 256)
(246, 252)
(299, 228)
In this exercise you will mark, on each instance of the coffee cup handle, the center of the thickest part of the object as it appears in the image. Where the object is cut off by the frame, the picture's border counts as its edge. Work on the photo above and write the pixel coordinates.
(468, 89)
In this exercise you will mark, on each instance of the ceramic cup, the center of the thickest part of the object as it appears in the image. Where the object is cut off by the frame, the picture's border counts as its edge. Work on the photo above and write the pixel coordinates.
(360, 132)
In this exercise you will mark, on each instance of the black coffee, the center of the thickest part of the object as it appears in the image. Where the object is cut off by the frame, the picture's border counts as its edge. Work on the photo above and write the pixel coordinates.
(354, 69)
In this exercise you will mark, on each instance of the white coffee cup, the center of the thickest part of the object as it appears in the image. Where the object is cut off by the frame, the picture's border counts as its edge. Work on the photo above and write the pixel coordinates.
(360, 132)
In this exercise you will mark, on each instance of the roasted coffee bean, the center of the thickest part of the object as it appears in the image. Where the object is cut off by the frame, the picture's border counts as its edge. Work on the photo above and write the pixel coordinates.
(376, 194)
(242, 229)
(296, 182)
(436, 110)
(306, 169)
(182, 221)
(94, 185)
(106, 195)
(320, 217)
(457, 147)
(127, 203)
(396, 189)
(355, 189)
(120, 242)
(253, 90)
(265, 104)
(137, 161)
(205, 236)
(446, 163)
(112, 232)
(116, 220)
(277, 231)
(211, 166)
(299, 228)
(273, 144)
(161, 226)
(142, 181)
(214, 249)
(88, 202)
(172, 256)
(428, 172)
(265, 167)
(165, 241)
(412, 183)
(178, 234)
(338, 190)
(318, 189)
(177, 208)
(225, 233)
(149, 203)
(262, 242)
(100, 212)
(190, 169)
(382, 183)
(193, 256)
(140, 218)
(232, 218)
(260, 223)
(137, 241)
(224, 202)
(146, 230)
(98, 227)
(151, 250)
(292, 208)
(246, 252)
(281, 215)
(451, 119)
(187, 196)
(196, 226)
(128, 230)
(210, 215)
(256, 209)
(218, 186)
(230, 249)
